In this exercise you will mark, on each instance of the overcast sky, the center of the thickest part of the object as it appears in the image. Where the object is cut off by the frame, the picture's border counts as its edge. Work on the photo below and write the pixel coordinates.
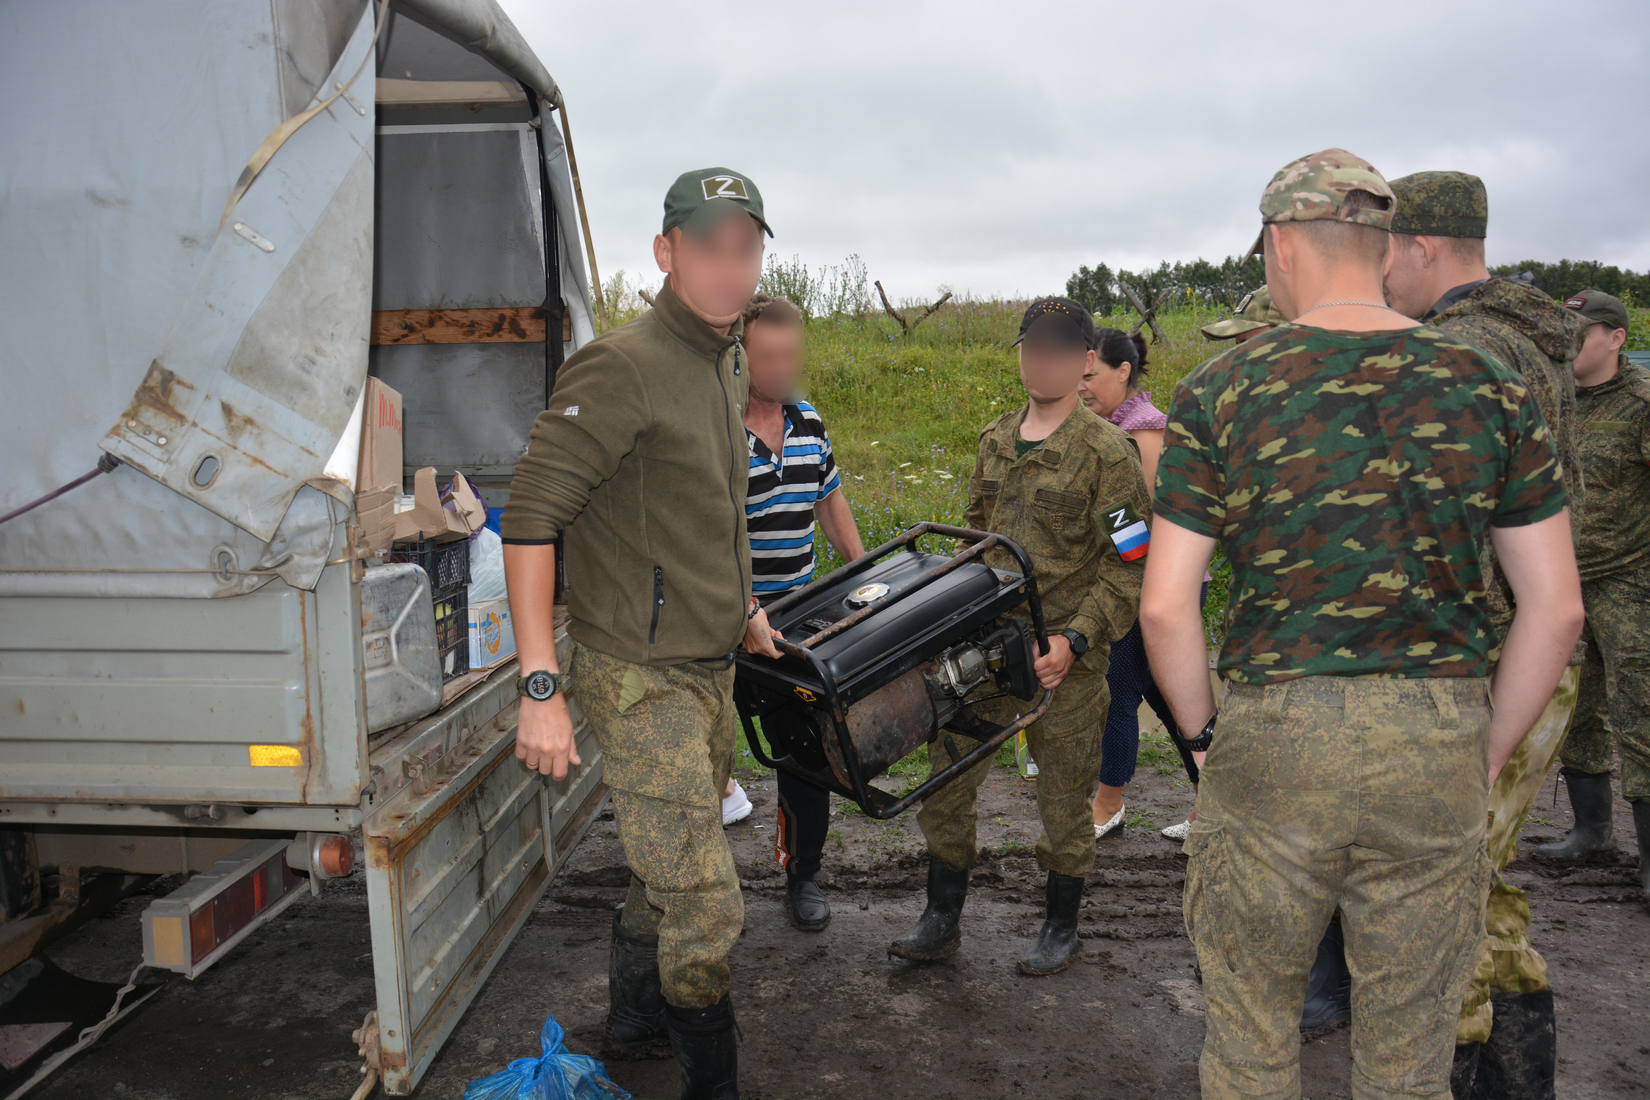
(993, 148)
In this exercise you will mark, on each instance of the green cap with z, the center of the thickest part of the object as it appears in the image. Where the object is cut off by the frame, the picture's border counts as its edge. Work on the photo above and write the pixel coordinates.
(701, 198)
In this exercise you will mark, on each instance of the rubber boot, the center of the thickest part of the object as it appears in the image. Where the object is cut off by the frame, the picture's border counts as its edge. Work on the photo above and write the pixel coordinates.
(1329, 988)
(1463, 1072)
(937, 934)
(805, 905)
(1057, 943)
(1641, 823)
(706, 1044)
(1592, 801)
(635, 1003)
(1520, 1058)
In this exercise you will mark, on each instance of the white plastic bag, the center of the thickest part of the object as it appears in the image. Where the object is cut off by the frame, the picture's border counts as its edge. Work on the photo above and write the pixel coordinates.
(486, 566)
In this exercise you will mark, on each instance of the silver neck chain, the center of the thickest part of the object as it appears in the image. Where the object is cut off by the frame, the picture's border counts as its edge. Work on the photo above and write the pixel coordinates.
(1326, 305)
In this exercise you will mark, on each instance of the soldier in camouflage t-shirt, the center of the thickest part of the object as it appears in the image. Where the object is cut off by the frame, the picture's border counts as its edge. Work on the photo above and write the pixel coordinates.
(1351, 465)
(1350, 479)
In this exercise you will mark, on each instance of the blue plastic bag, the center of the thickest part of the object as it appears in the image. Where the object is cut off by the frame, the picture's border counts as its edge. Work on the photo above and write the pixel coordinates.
(557, 1075)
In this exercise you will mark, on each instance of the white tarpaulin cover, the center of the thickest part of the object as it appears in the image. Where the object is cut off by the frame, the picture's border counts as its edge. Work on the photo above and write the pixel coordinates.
(224, 367)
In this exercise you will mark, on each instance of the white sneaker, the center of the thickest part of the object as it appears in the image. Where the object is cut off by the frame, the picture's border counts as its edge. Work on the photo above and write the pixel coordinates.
(1111, 826)
(736, 806)
(1179, 831)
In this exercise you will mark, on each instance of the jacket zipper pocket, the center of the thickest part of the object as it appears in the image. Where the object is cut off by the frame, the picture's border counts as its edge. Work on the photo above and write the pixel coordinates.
(658, 602)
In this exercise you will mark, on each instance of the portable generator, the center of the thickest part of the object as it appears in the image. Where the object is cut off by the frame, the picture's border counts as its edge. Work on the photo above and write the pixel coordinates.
(890, 652)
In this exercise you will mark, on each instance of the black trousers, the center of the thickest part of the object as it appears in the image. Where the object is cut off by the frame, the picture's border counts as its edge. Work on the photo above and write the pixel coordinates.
(804, 819)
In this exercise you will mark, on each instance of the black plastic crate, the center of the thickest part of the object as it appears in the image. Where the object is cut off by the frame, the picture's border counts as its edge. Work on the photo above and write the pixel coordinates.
(447, 563)
(452, 630)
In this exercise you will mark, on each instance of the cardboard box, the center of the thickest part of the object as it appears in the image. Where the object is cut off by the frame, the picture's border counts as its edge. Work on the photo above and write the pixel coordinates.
(429, 519)
(375, 514)
(492, 639)
(381, 448)
(378, 474)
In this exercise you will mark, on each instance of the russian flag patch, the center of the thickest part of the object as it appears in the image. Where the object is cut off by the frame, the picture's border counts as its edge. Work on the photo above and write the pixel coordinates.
(1129, 532)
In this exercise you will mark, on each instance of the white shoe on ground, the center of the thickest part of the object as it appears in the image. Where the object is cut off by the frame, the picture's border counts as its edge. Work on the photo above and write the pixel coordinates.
(736, 806)
(1178, 831)
(1110, 827)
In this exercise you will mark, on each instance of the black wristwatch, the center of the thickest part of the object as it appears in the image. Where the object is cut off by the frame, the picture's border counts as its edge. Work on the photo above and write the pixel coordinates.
(1079, 644)
(539, 685)
(1201, 742)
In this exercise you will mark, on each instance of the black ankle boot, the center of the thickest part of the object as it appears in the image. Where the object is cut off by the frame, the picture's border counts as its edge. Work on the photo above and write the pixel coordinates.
(1057, 944)
(1463, 1072)
(1641, 824)
(705, 1042)
(1592, 801)
(936, 935)
(636, 1005)
(1520, 1059)
(805, 905)
(1329, 989)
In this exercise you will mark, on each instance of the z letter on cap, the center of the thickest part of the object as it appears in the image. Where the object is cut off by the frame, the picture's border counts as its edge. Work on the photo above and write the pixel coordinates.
(724, 187)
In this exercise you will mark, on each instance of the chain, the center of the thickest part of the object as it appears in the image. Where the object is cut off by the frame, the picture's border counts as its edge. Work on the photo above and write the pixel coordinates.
(1326, 305)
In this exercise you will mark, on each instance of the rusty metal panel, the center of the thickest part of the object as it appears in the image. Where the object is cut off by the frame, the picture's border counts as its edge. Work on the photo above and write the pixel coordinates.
(458, 853)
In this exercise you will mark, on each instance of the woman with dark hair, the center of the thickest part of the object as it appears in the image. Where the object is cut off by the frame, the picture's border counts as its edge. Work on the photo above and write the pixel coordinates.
(1112, 389)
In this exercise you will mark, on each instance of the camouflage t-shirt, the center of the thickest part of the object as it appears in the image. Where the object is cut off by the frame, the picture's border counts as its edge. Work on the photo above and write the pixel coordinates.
(1351, 479)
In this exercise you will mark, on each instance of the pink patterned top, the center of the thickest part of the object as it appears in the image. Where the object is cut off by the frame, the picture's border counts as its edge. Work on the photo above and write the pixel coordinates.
(1137, 413)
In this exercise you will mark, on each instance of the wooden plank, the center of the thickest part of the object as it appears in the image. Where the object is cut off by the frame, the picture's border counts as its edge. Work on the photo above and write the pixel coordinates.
(493, 325)
(472, 94)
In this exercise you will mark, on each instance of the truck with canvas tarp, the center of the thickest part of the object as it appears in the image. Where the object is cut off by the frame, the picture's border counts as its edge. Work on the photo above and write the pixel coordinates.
(218, 222)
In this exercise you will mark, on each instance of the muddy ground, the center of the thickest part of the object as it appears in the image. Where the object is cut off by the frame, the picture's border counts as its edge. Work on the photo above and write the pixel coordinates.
(831, 1015)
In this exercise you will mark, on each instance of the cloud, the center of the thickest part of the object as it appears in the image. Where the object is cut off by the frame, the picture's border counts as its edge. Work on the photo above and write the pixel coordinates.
(994, 148)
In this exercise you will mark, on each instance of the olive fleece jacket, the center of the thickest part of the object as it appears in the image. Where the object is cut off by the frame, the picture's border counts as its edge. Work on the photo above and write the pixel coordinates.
(641, 461)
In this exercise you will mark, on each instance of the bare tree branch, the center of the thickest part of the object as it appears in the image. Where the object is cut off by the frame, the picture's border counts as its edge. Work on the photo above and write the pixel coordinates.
(646, 296)
(888, 308)
(1148, 314)
(905, 326)
(931, 310)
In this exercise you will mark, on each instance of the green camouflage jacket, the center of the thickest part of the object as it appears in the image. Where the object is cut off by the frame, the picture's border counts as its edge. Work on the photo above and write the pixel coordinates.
(1614, 524)
(1078, 506)
(1538, 339)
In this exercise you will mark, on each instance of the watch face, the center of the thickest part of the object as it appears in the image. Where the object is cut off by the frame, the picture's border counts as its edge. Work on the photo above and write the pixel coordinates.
(541, 685)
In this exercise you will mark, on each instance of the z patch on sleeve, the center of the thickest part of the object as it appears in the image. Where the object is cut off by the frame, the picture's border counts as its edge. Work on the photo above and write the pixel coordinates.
(1128, 532)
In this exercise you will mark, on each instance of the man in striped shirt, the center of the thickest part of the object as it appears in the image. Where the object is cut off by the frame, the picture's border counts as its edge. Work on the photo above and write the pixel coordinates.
(793, 480)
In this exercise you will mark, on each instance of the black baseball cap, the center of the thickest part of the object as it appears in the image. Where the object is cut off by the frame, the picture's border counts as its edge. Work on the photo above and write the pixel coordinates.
(1059, 320)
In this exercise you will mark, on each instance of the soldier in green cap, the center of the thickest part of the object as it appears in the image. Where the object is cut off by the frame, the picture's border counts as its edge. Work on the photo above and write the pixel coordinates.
(1255, 315)
(1352, 487)
(1613, 399)
(1506, 1031)
(1067, 486)
(639, 463)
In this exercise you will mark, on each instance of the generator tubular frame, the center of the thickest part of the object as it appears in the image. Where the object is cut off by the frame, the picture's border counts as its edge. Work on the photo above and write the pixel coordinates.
(876, 803)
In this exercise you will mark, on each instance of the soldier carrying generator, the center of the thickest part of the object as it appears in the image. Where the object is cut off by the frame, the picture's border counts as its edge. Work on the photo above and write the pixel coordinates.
(640, 464)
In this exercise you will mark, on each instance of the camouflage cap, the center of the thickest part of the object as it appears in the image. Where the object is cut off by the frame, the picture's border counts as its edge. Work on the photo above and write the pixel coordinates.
(1316, 187)
(1440, 204)
(1255, 311)
(1598, 308)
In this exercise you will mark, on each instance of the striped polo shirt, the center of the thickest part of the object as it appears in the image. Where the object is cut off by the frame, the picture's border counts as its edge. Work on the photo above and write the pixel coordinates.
(779, 504)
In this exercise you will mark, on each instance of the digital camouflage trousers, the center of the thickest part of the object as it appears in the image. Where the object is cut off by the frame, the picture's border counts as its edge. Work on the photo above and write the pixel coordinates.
(1615, 683)
(1065, 742)
(667, 738)
(1366, 794)
(1508, 962)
